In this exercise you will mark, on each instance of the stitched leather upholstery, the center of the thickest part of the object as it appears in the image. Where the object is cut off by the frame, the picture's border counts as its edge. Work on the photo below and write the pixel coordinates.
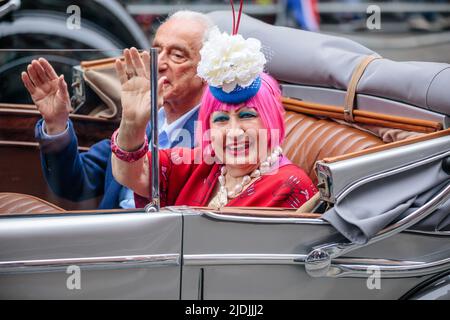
(16, 203)
(309, 139)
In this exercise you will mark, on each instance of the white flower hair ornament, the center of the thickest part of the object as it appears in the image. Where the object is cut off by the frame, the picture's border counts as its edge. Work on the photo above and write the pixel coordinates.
(231, 65)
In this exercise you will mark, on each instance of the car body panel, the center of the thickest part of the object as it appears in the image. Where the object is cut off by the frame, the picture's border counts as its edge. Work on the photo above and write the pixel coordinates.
(438, 289)
(255, 260)
(36, 250)
(221, 259)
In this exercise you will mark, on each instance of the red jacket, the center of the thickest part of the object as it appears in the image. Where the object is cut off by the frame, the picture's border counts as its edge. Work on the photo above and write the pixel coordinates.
(192, 182)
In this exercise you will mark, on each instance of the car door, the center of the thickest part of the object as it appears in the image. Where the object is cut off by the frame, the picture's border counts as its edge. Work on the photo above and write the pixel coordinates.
(240, 256)
(91, 255)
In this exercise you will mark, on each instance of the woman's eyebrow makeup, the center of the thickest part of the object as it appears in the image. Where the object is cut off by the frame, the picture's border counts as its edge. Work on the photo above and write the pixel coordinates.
(248, 111)
(220, 116)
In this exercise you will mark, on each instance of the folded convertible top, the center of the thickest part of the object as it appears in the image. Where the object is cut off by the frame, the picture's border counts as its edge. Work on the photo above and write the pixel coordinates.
(314, 59)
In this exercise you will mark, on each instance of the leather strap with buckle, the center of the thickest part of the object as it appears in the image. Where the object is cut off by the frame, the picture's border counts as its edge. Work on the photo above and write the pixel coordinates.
(353, 84)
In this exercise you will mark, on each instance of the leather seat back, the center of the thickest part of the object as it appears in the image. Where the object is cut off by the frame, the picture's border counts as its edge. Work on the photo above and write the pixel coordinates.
(16, 203)
(309, 139)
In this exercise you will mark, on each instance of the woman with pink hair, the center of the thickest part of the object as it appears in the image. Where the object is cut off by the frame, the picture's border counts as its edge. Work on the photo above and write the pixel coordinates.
(238, 161)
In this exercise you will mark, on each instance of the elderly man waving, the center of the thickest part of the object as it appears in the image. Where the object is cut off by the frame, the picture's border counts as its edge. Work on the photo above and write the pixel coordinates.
(79, 176)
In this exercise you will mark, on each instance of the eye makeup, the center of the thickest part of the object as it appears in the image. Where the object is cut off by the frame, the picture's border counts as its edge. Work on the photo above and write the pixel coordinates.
(220, 117)
(247, 114)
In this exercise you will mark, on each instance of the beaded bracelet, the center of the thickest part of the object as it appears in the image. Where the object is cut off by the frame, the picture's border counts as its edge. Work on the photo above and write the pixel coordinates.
(126, 155)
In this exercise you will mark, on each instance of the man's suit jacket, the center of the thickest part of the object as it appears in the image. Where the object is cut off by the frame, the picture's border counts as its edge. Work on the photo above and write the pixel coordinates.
(80, 176)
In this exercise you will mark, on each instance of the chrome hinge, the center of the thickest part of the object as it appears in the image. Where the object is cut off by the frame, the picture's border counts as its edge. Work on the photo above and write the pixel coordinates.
(324, 183)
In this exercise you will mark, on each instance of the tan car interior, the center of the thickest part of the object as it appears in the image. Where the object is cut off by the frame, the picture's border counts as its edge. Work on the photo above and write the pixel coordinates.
(313, 132)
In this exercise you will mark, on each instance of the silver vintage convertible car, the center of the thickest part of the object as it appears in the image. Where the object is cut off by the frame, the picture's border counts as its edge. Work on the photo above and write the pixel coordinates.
(371, 133)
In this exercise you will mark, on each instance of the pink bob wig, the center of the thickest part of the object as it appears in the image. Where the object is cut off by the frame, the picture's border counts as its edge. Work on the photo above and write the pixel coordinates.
(267, 102)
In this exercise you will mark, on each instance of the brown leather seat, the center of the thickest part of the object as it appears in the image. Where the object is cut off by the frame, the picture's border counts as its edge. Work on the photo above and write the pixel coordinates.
(16, 203)
(309, 139)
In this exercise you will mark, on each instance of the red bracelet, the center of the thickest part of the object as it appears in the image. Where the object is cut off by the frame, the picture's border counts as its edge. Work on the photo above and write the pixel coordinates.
(125, 155)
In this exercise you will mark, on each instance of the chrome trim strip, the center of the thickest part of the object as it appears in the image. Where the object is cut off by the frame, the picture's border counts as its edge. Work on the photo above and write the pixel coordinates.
(225, 217)
(389, 173)
(232, 218)
(340, 268)
(358, 268)
(115, 262)
(154, 205)
(430, 233)
(242, 259)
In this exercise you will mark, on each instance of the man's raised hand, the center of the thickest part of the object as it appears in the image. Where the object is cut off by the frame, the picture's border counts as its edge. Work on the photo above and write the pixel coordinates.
(134, 76)
(49, 94)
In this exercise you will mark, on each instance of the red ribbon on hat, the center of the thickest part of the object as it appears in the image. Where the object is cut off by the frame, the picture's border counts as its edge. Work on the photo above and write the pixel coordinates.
(236, 25)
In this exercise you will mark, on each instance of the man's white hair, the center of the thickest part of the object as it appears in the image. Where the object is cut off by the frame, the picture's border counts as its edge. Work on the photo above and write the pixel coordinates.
(195, 16)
